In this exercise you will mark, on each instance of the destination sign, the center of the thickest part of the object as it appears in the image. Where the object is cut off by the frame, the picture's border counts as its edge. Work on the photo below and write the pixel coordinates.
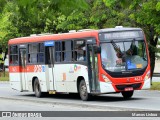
(49, 43)
(120, 35)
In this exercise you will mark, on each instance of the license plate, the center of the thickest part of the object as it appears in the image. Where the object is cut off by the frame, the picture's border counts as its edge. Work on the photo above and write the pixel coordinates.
(128, 89)
(52, 92)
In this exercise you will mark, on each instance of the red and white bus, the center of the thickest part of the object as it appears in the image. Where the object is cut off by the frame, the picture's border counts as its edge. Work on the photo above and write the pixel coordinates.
(94, 62)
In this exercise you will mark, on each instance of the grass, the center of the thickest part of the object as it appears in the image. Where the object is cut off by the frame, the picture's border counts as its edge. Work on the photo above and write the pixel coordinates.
(4, 76)
(155, 86)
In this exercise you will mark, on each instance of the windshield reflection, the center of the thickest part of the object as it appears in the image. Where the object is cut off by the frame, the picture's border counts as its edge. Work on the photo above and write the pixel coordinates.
(123, 56)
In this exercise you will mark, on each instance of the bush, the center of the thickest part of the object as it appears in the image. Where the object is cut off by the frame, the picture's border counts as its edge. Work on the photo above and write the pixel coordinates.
(4, 76)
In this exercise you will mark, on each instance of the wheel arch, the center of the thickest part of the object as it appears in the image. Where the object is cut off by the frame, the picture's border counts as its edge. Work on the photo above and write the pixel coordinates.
(78, 82)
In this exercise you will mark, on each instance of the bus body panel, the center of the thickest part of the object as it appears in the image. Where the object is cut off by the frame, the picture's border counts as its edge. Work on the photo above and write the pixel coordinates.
(111, 87)
(106, 87)
(38, 71)
(139, 82)
(66, 79)
(63, 77)
(15, 81)
(42, 80)
(147, 84)
(32, 71)
(49, 76)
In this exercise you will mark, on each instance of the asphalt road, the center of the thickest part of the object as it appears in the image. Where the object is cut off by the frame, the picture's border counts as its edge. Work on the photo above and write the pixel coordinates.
(141, 100)
(11, 100)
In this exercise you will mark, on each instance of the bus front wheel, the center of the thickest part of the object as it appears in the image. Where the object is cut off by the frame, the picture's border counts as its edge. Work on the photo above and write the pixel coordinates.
(127, 94)
(83, 91)
(37, 88)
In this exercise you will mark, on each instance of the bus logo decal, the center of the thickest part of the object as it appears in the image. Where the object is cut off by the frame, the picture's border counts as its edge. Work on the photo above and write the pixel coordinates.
(38, 68)
(76, 68)
(43, 68)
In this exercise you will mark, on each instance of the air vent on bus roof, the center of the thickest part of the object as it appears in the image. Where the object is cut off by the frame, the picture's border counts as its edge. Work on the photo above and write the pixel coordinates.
(85, 30)
(41, 34)
(72, 31)
(119, 27)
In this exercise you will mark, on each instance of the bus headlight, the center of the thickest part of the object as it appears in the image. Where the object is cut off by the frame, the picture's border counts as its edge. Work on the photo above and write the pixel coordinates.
(147, 76)
(105, 78)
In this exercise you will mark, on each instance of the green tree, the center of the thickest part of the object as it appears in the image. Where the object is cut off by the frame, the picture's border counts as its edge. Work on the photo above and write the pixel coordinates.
(7, 30)
(42, 15)
(97, 16)
(24, 17)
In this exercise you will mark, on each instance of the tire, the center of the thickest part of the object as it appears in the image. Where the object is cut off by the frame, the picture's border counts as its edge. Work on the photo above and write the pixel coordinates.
(37, 88)
(127, 94)
(85, 96)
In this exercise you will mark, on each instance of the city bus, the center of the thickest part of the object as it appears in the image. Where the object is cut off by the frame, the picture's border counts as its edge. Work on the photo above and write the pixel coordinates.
(87, 62)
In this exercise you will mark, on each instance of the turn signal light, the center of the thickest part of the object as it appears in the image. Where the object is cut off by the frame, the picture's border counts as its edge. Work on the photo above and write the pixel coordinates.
(147, 76)
(105, 78)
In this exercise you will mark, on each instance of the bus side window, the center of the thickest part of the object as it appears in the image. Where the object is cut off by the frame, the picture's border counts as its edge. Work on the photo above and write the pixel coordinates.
(58, 47)
(33, 50)
(41, 53)
(64, 51)
(67, 54)
(40, 57)
(58, 56)
(80, 50)
(14, 54)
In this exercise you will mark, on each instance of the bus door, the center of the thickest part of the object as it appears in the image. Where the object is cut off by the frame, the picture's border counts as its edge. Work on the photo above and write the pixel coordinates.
(23, 56)
(93, 68)
(49, 51)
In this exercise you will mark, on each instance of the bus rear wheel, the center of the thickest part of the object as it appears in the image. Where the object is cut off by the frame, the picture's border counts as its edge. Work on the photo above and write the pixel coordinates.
(85, 96)
(37, 88)
(127, 94)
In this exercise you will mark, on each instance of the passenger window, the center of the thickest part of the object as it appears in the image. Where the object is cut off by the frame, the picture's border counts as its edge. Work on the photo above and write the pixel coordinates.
(67, 51)
(58, 48)
(36, 53)
(80, 50)
(64, 51)
(14, 54)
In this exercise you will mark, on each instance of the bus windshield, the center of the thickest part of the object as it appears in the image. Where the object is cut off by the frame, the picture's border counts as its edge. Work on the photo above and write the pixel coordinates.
(124, 55)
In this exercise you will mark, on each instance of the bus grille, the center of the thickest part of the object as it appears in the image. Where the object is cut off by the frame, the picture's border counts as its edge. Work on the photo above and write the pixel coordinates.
(122, 87)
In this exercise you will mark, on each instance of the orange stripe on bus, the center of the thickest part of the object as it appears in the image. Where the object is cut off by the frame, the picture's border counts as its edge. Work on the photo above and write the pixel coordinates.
(28, 68)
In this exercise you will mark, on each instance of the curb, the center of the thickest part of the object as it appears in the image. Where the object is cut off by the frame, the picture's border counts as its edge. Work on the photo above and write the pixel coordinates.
(84, 105)
(7, 82)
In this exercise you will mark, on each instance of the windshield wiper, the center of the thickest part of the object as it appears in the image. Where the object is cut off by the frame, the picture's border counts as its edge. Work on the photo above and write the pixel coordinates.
(116, 48)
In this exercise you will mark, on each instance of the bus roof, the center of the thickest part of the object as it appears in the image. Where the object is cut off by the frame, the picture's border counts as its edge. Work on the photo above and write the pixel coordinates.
(62, 36)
